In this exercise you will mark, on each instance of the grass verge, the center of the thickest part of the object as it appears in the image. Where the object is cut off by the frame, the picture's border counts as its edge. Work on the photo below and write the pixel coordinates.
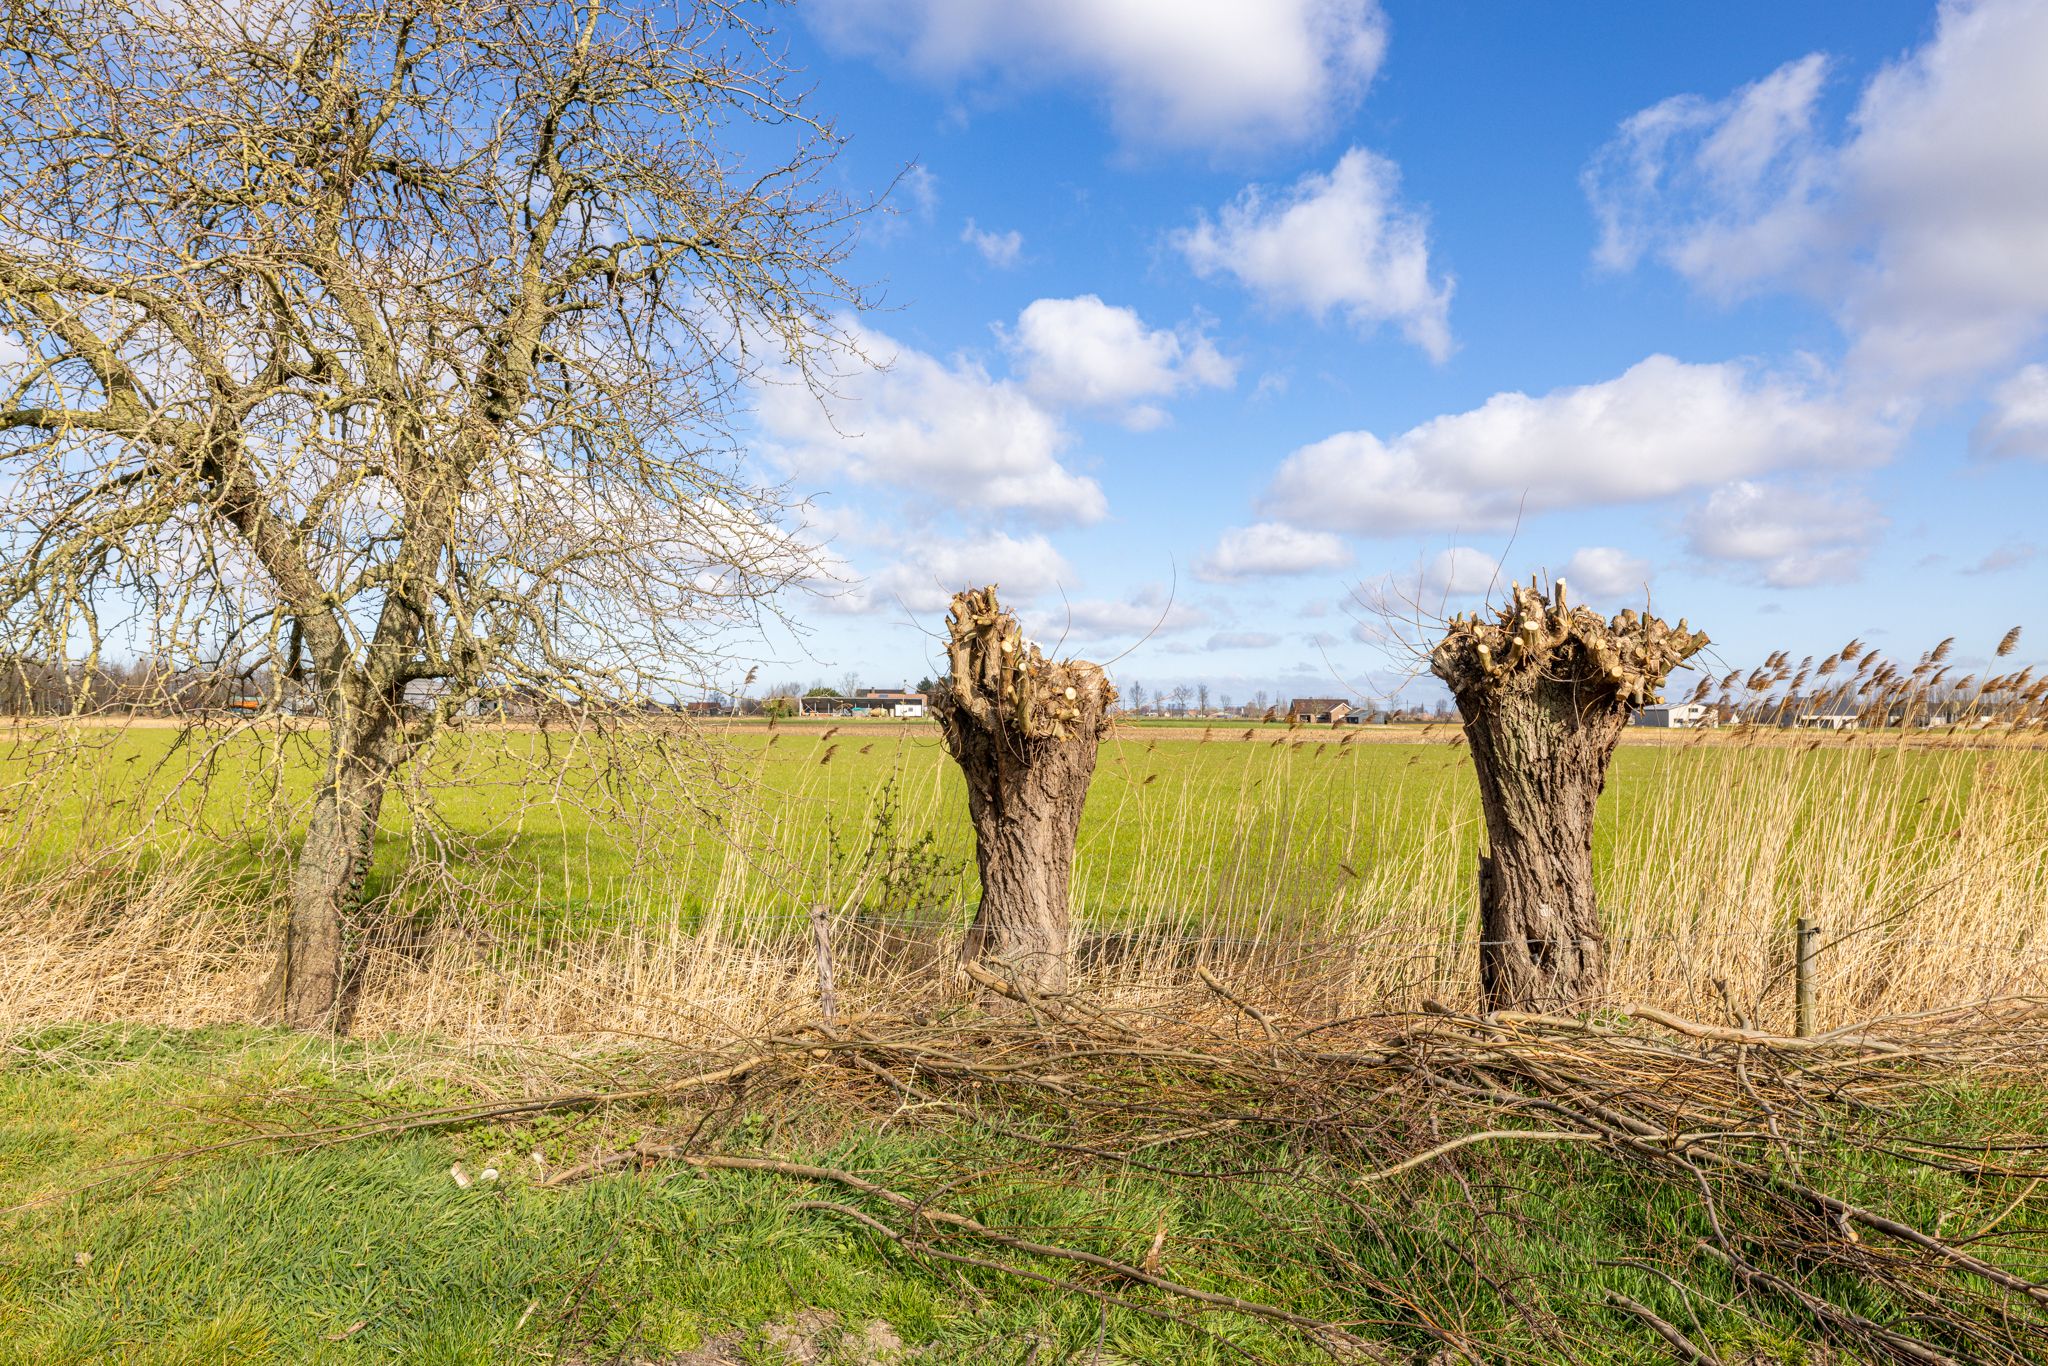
(368, 1250)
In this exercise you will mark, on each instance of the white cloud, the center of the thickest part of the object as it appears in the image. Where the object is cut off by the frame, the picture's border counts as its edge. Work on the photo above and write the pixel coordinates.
(923, 188)
(1923, 226)
(936, 429)
(1243, 640)
(1272, 548)
(1460, 572)
(2018, 421)
(1790, 538)
(1601, 571)
(1750, 180)
(2012, 555)
(1025, 568)
(999, 249)
(1341, 242)
(1083, 351)
(1205, 73)
(1662, 427)
(1150, 612)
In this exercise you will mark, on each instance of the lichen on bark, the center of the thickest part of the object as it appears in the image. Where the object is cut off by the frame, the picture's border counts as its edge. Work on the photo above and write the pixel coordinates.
(1544, 690)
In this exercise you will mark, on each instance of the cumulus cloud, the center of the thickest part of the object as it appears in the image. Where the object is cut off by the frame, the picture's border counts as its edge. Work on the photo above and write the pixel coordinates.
(1151, 611)
(1085, 352)
(999, 249)
(1662, 427)
(1602, 571)
(1271, 548)
(1342, 242)
(925, 580)
(1923, 225)
(1204, 73)
(2018, 421)
(1459, 571)
(1786, 537)
(939, 429)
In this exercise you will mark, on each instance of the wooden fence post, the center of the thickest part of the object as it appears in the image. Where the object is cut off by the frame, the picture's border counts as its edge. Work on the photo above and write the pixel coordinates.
(821, 939)
(1802, 977)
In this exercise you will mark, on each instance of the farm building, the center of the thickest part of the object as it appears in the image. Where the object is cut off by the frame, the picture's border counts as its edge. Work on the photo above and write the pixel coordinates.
(895, 702)
(1678, 716)
(899, 701)
(1328, 710)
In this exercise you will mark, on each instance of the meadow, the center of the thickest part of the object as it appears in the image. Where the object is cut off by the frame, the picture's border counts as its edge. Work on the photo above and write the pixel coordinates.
(587, 882)
(567, 927)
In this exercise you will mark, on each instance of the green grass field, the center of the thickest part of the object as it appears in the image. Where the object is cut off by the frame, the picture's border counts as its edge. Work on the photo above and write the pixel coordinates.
(622, 880)
(1283, 828)
(370, 1252)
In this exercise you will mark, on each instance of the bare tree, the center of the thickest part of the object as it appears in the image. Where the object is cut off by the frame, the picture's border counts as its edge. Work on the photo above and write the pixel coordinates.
(1202, 697)
(1545, 691)
(1024, 730)
(392, 346)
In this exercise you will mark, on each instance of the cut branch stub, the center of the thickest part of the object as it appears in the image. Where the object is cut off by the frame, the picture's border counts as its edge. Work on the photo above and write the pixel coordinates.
(1545, 690)
(1024, 730)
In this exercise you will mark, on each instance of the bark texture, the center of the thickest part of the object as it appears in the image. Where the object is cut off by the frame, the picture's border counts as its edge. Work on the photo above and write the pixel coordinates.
(318, 970)
(1544, 691)
(1024, 730)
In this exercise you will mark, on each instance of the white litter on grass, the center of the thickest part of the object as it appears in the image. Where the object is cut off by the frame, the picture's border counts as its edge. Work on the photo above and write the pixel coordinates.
(460, 1176)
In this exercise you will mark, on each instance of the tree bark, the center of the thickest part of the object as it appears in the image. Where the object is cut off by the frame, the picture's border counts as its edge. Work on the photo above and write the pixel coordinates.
(1024, 731)
(1544, 693)
(318, 973)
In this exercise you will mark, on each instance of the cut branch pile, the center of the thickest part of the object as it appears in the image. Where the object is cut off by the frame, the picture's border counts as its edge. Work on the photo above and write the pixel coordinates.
(1733, 1138)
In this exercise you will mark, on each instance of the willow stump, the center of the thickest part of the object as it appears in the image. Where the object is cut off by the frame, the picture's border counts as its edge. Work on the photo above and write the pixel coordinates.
(1024, 730)
(1544, 691)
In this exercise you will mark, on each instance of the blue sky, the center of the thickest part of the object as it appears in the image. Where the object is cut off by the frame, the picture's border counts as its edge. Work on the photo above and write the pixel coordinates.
(1219, 317)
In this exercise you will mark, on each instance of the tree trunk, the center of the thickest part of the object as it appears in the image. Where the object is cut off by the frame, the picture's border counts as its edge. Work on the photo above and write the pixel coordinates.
(1024, 731)
(1544, 693)
(1541, 757)
(315, 983)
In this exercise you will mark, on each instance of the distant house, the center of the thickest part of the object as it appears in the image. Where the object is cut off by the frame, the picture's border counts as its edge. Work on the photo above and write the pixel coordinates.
(1916, 712)
(1678, 716)
(1312, 710)
(1834, 715)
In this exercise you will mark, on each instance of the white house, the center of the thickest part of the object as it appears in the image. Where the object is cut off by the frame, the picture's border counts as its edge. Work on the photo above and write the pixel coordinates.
(1836, 715)
(1678, 716)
